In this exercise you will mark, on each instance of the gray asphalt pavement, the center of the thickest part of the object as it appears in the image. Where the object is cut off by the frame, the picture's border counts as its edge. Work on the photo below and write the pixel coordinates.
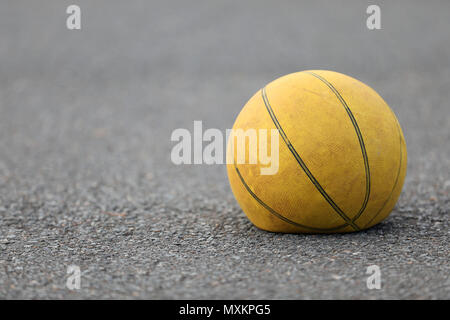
(85, 171)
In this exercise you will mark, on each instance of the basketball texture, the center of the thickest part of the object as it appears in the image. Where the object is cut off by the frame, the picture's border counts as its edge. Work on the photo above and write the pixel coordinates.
(342, 156)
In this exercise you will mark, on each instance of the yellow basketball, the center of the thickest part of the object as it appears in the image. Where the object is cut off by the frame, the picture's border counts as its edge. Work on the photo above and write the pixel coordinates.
(342, 155)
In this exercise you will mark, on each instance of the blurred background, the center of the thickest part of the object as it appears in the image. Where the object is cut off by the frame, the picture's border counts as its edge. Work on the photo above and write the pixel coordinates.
(85, 123)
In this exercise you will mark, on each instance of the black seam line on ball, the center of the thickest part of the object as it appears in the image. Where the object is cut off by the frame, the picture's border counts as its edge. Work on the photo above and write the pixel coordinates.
(272, 211)
(398, 173)
(303, 165)
(360, 138)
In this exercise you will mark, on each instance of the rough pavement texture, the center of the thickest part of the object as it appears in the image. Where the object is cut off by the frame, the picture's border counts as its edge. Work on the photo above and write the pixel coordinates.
(85, 171)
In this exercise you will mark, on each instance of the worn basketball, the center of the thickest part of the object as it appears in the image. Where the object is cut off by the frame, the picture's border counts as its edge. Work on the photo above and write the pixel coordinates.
(342, 155)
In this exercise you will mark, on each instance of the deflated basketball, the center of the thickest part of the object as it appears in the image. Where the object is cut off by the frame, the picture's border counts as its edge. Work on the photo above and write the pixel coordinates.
(342, 155)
